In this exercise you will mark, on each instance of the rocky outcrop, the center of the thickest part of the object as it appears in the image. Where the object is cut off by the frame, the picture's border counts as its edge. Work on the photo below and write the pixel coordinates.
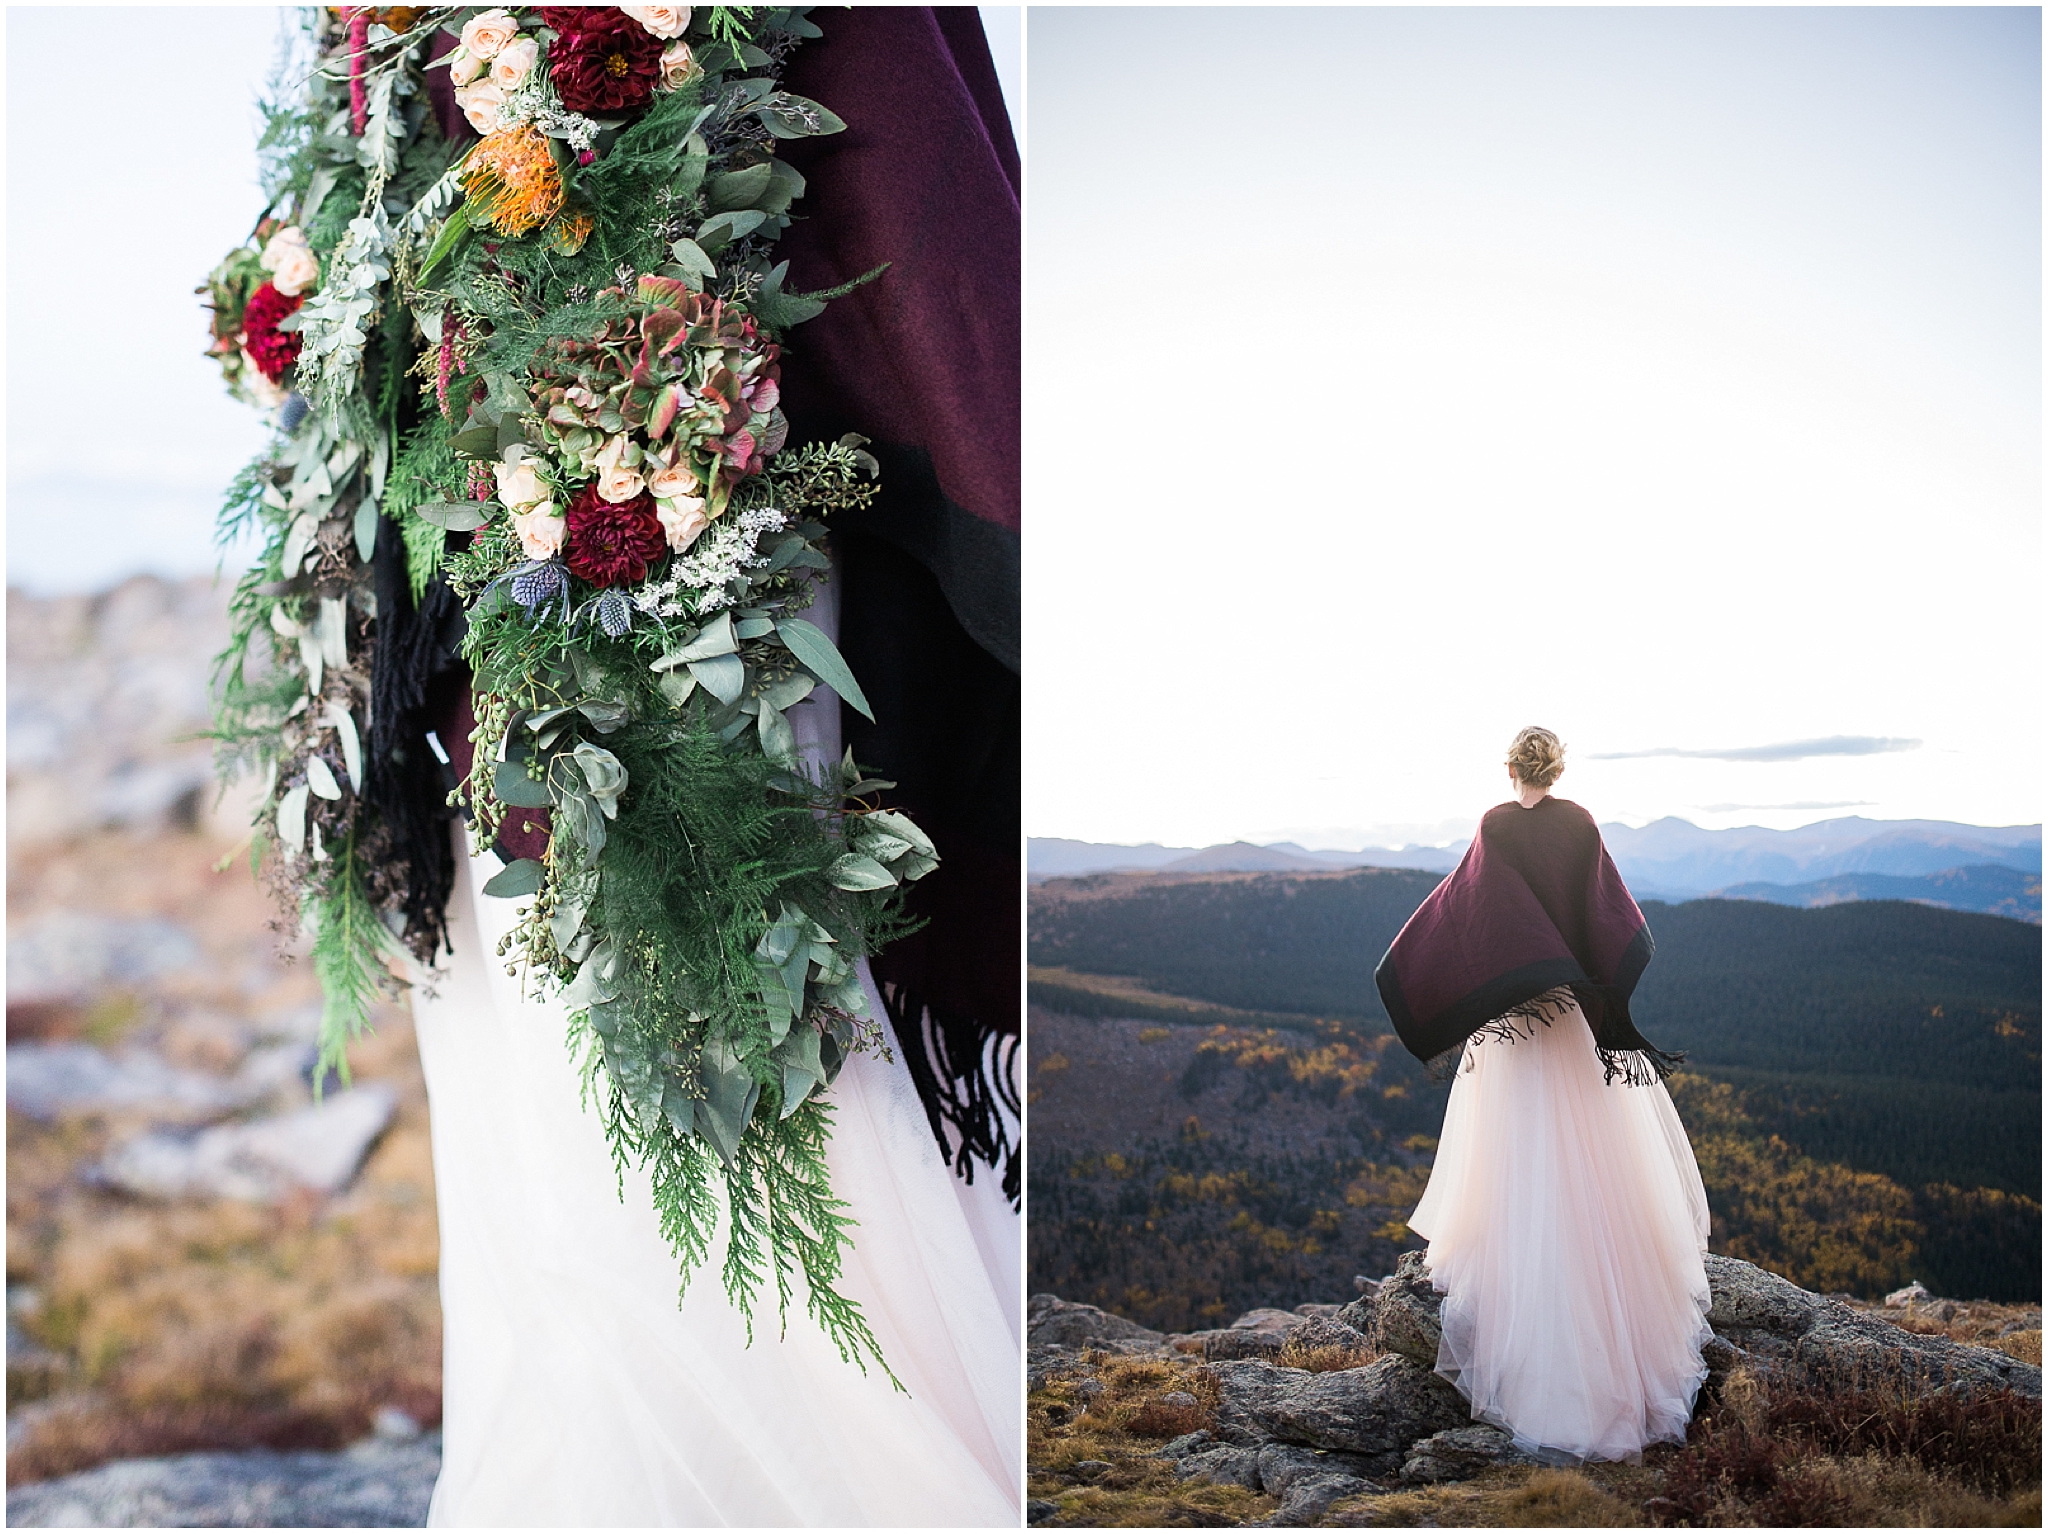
(1310, 1438)
(1459, 1453)
(1374, 1412)
(1050, 1321)
(317, 1148)
(384, 1482)
(1267, 1334)
(1770, 1323)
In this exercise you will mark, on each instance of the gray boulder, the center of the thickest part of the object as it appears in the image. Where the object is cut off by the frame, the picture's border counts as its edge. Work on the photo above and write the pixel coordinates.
(47, 1080)
(1308, 1499)
(1221, 1465)
(1459, 1453)
(1778, 1325)
(1914, 1293)
(378, 1483)
(1375, 1412)
(319, 1148)
(1403, 1316)
(70, 955)
(1283, 1465)
(1052, 1321)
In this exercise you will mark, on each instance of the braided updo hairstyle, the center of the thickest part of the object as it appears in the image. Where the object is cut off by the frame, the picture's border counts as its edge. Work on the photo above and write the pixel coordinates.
(1537, 757)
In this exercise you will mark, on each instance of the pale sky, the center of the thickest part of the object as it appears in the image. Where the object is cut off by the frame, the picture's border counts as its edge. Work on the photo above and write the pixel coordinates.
(120, 437)
(1398, 377)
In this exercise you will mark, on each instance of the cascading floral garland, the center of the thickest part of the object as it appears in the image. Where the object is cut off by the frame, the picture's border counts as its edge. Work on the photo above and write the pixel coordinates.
(547, 366)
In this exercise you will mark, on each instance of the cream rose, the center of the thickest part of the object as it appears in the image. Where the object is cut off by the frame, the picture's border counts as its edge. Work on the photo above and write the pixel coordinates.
(484, 35)
(661, 20)
(518, 485)
(291, 262)
(682, 518)
(483, 104)
(540, 531)
(678, 67)
(464, 66)
(668, 482)
(514, 63)
(619, 484)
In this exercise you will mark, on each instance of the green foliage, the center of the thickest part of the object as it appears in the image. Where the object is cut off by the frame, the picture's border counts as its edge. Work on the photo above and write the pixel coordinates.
(426, 469)
(350, 944)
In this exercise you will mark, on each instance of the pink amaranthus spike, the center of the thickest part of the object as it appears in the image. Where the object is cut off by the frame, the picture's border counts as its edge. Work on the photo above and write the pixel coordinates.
(358, 44)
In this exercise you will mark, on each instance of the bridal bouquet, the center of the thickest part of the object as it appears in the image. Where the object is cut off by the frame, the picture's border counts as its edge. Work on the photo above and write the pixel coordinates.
(527, 390)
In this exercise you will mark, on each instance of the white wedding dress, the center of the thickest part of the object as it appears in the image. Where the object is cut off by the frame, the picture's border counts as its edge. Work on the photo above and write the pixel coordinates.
(576, 1392)
(1566, 1224)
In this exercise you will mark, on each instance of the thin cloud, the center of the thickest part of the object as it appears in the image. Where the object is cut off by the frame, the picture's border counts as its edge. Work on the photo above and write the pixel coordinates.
(1783, 751)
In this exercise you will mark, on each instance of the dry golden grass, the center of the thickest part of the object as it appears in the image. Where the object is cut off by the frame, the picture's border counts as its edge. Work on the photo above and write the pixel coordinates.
(213, 1324)
(1326, 1359)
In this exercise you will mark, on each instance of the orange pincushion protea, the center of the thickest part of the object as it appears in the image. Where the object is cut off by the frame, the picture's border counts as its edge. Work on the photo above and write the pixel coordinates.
(512, 181)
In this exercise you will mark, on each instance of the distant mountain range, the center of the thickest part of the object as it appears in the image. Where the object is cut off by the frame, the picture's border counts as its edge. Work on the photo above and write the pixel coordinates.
(1936, 862)
(1987, 888)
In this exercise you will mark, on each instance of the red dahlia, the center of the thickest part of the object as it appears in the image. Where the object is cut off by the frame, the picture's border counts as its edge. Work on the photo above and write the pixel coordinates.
(613, 543)
(601, 59)
(272, 350)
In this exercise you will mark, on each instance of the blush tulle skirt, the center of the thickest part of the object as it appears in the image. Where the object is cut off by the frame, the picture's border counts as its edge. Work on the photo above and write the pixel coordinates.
(1566, 1225)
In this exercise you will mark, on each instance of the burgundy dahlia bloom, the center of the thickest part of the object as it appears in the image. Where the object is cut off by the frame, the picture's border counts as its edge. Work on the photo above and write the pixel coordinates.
(611, 543)
(271, 349)
(601, 59)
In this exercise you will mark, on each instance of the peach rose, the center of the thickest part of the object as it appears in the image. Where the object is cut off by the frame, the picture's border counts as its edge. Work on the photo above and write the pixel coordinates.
(667, 482)
(540, 531)
(514, 63)
(678, 67)
(661, 20)
(464, 66)
(518, 485)
(682, 518)
(290, 261)
(484, 35)
(483, 104)
(619, 485)
(618, 470)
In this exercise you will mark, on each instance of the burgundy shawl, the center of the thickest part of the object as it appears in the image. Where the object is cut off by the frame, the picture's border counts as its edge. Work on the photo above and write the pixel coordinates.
(1535, 904)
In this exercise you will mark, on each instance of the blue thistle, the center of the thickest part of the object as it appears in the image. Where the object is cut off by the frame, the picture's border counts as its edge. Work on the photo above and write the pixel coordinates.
(614, 613)
(538, 583)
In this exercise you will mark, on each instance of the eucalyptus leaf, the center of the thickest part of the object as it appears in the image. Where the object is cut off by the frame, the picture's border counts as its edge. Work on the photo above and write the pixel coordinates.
(853, 871)
(320, 778)
(521, 877)
(605, 774)
(723, 676)
(778, 740)
(808, 643)
(478, 440)
(291, 819)
(894, 823)
(366, 529)
(456, 516)
(738, 188)
(676, 686)
(333, 626)
(514, 787)
(697, 266)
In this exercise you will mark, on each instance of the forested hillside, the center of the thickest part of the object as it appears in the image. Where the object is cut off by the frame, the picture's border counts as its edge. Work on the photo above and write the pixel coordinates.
(1230, 1120)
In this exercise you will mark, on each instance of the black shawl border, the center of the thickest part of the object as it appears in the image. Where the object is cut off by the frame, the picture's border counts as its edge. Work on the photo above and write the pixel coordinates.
(1625, 1054)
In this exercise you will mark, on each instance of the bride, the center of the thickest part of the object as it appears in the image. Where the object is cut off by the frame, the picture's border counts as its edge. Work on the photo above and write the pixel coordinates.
(1565, 1216)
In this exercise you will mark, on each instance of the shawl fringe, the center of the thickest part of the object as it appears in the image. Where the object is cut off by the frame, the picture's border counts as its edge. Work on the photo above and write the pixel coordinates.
(1641, 1065)
(414, 646)
(966, 1077)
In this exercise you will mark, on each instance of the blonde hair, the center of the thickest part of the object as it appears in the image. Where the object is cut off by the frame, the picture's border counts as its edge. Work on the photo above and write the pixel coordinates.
(1537, 757)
